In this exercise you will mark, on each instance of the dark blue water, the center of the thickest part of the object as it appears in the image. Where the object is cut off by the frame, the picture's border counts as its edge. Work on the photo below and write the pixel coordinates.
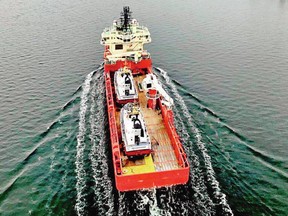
(224, 63)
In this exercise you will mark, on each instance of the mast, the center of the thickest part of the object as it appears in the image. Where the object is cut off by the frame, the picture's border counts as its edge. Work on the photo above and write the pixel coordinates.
(125, 19)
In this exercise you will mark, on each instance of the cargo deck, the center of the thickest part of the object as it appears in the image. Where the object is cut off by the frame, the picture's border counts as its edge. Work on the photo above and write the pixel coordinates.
(163, 156)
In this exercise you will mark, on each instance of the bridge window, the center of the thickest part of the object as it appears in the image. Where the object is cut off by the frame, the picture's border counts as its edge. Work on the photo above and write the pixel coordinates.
(119, 46)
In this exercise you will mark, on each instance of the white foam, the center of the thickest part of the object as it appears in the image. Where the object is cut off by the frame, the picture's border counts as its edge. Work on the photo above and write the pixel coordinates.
(121, 204)
(149, 198)
(103, 197)
(153, 205)
(200, 144)
(80, 171)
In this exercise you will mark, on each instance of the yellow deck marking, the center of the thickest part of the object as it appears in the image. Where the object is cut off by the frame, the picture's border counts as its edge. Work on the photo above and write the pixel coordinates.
(147, 167)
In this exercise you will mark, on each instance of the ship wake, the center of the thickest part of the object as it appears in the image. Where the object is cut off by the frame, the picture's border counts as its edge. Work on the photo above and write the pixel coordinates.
(96, 193)
(202, 176)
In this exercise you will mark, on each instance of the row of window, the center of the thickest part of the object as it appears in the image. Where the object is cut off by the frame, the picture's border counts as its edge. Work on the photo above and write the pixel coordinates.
(125, 40)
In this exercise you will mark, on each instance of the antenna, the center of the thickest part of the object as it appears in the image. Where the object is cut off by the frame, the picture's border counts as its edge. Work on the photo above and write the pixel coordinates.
(125, 18)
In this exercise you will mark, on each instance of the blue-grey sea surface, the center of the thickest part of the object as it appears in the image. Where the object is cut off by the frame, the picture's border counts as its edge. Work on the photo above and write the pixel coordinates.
(224, 62)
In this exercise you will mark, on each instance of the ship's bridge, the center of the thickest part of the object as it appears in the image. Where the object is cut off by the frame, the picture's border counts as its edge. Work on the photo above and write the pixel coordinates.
(125, 39)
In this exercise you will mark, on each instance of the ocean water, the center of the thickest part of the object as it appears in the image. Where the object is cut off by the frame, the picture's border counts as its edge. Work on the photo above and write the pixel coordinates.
(225, 64)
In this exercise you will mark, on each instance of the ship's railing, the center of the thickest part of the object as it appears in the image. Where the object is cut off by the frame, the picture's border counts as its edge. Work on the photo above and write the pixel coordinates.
(112, 30)
(174, 137)
(112, 125)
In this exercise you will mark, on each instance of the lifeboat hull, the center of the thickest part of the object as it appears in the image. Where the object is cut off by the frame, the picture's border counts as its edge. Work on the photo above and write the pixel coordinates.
(138, 152)
(122, 102)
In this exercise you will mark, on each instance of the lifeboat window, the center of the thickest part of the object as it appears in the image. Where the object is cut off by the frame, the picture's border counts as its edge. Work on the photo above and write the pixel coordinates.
(119, 47)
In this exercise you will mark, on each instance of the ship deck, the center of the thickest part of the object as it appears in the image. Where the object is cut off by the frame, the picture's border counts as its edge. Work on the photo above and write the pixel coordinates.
(163, 156)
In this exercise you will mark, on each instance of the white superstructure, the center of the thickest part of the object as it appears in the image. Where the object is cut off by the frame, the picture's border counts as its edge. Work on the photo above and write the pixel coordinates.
(125, 39)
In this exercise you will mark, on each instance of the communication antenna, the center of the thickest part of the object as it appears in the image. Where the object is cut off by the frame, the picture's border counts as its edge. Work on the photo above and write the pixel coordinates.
(125, 18)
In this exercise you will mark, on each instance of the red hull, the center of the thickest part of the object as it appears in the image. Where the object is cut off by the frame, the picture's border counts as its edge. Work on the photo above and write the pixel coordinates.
(151, 179)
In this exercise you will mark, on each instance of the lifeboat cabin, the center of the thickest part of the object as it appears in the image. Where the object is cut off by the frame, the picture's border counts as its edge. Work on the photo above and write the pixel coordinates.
(124, 86)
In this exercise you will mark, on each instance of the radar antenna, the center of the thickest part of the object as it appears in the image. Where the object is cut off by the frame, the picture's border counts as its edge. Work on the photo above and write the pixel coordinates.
(125, 19)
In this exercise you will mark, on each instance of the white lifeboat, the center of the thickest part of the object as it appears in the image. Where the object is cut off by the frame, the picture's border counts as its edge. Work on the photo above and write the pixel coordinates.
(124, 86)
(134, 133)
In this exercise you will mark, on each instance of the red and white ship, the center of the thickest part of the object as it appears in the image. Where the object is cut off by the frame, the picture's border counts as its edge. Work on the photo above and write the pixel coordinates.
(146, 149)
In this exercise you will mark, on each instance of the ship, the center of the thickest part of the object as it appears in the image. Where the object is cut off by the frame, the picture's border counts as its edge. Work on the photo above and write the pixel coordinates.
(146, 149)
